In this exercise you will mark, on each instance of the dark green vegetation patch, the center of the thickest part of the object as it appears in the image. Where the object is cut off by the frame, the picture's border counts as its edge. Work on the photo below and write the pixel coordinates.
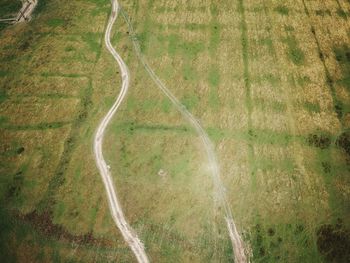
(295, 54)
(268, 242)
(283, 10)
(341, 13)
(333, 241)
(344, 142)
(323, 12)
(322, 141)
(342, 55)
(9, 8)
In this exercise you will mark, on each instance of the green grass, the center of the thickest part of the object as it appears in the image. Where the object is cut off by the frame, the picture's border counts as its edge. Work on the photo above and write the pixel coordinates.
(39, 126)
(55, 22)
(3, 95)
(271, 79)
(265, 105)
(215, 29)
(215, 36)
(295, 54)
(190, 101)
(93, 41)
(270, 240)
(338, 104)
(41, 7)
(336, 200)
(191, 49)
(247, 85)
(323, 12)
(215, 134)
(166, 105)
(341, 13)
(214, 77)
(283, 10)
(181, 166)
(312, 107)
(189, 73)
(3, 74)
(214, 81)
(303, 81)
(244, 42)
(188, 49)
(268, 137)
(345, 82)
(3, 120)
(257, 136)
(149, 104)
(195, 27)
(9, 7)
(265, 165)
(131, 127)
(303, 186)
(59, 210)
(69, 48)
(58, 179)
(289, 28)
(147, 27)
(172, 44)
(269, 44)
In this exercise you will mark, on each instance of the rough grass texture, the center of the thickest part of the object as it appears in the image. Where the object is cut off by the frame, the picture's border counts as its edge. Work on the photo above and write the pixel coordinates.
(268, 81)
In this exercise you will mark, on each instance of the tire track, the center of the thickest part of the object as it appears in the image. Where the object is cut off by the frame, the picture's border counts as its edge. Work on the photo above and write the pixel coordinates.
(237, 243)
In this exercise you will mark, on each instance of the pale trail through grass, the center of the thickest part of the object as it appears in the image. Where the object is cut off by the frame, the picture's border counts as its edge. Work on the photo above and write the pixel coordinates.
(237, 243)
(116, 211)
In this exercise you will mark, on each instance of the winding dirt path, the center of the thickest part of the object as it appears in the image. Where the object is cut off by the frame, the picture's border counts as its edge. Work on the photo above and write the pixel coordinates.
(128, 233)
(116, 211)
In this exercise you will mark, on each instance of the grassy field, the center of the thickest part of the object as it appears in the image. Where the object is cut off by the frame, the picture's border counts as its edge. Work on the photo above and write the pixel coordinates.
(56, 82)
(268, 80)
